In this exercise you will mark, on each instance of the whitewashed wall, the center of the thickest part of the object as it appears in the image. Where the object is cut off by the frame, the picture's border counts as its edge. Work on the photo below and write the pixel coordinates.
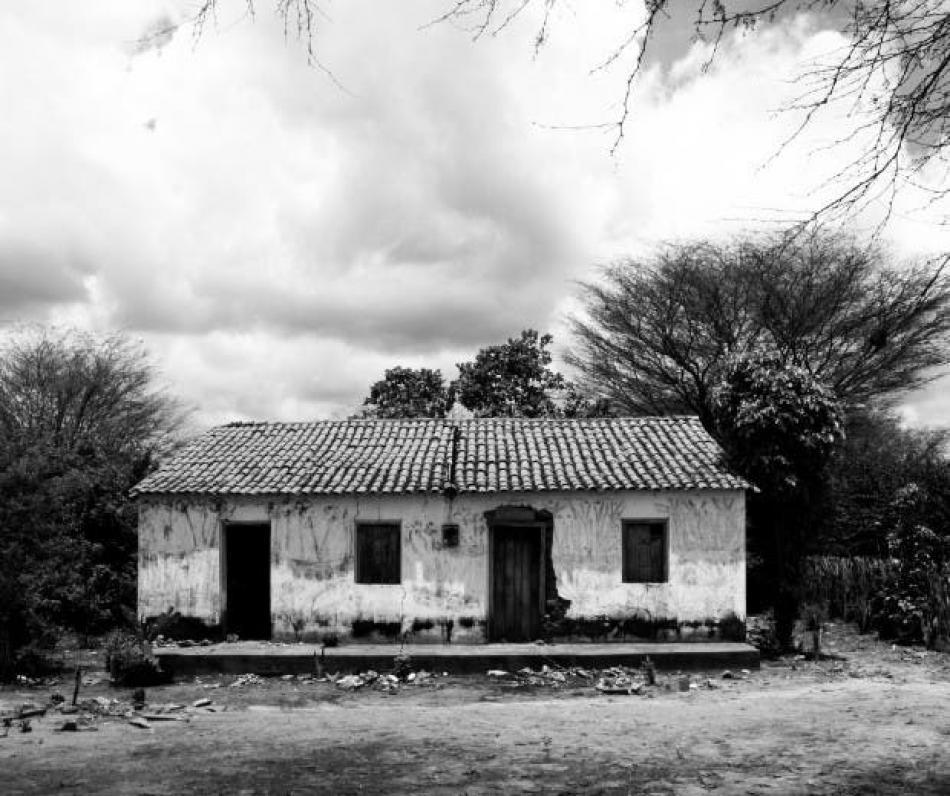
(312, 574)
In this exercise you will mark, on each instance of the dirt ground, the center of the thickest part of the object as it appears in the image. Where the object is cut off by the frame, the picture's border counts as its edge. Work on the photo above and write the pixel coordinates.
(870, 719)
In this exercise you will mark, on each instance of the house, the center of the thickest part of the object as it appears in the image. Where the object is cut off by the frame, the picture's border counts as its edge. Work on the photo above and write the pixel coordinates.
(453, 531)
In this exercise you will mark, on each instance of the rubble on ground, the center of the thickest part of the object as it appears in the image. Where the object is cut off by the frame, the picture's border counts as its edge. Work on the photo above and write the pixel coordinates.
(247, 679)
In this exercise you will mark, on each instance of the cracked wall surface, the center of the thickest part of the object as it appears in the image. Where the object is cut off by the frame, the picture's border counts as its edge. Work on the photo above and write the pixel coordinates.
(443, 595)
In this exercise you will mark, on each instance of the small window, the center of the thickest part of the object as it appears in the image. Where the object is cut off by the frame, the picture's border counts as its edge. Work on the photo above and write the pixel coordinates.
(644, 551)
(378, 553)
(450, 535)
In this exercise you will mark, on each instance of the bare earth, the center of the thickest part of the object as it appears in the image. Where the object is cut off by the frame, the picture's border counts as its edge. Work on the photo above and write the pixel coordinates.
(873, 720)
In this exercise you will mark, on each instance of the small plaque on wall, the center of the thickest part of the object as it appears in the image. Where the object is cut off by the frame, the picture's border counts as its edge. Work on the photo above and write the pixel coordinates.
(450, 535)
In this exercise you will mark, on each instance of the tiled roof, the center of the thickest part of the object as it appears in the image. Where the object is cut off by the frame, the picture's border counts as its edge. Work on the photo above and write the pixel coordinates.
(501, 455)
(329, 457)
(486, 455)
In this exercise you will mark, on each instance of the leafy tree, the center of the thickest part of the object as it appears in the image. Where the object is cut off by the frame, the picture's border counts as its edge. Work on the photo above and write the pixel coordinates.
(513, 379)
(658, 332)
(779, 427)
(877, 462)
(80, 422)
(405, 392)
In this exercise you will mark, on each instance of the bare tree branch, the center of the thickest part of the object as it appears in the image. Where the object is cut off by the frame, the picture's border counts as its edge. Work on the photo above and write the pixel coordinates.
(892, 79)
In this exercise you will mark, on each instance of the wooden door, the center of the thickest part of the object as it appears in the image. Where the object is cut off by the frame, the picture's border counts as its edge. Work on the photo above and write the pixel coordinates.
(516, 583)
(247, 580)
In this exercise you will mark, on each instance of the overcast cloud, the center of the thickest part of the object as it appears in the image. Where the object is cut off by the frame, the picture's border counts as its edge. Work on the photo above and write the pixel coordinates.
(278, 240)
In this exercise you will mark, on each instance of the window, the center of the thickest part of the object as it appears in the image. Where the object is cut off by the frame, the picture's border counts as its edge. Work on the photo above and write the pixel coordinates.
(378, 553)
(450, 535)
(644, 551)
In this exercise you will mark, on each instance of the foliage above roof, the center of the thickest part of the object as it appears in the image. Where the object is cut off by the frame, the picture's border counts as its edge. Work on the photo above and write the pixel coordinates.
(423, 456)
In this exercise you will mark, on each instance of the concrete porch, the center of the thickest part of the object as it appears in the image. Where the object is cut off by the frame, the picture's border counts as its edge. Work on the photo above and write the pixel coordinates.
(260, 657)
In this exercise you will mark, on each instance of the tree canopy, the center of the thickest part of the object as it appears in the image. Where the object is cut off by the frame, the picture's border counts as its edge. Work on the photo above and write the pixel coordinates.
(658, 331)
(879, 460)
(81, 421)
(405, 392)
(779, 427)
(511, 379)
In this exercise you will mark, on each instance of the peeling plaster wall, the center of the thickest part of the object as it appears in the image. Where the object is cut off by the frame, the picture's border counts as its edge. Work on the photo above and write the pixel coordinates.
(443, 594)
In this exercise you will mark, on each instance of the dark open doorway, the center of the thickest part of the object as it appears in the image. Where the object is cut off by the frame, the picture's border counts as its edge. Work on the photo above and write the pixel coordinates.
(247, 580)
(517, 582)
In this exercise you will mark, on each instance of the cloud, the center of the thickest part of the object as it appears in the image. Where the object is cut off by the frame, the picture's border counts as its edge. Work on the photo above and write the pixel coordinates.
(279, 239)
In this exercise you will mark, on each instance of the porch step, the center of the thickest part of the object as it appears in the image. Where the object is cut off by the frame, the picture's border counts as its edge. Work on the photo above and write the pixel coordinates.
(250, 657)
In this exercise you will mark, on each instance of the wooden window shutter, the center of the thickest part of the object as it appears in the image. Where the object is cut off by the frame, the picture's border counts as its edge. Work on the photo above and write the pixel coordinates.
(378, 553)
(644, 552)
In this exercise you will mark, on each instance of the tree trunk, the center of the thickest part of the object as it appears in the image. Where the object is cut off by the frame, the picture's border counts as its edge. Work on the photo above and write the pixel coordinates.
(6, 654)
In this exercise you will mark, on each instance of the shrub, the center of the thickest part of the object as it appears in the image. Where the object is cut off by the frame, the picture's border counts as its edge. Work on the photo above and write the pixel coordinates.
(130, 661)
(732, 628)
(915, 606)
(761, 634)
(847, 587)
(172, 625)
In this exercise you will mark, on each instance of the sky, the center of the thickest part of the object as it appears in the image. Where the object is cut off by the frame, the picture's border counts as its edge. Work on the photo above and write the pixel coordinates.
(279, 232)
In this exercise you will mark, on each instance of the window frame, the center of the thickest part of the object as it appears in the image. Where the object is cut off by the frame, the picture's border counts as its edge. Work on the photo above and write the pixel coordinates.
(360, 576)
(627, 563)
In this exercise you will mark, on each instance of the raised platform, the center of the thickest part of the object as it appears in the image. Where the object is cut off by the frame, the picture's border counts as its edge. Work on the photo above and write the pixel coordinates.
(266, 658)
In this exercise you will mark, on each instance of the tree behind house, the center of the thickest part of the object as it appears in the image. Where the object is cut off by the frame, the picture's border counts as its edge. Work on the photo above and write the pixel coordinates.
(658, 331)
(404, 392)
(779, 427)
(511, 379)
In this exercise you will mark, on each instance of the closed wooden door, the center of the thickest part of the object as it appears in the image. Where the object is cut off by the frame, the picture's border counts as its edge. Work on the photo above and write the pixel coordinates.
(516, 580)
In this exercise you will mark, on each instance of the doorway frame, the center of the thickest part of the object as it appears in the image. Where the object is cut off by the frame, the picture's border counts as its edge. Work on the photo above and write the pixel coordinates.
(225, 525)
(516, 517)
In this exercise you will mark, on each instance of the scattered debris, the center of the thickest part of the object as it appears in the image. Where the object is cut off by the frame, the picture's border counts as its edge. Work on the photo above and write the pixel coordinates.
(28, 710)
(138, 721)
(350, 682)
(611, 689)
(498, 673)
(247, 679)
(201, 703)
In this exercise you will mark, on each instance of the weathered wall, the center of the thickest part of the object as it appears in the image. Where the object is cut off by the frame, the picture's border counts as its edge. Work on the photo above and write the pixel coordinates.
(443, 594)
